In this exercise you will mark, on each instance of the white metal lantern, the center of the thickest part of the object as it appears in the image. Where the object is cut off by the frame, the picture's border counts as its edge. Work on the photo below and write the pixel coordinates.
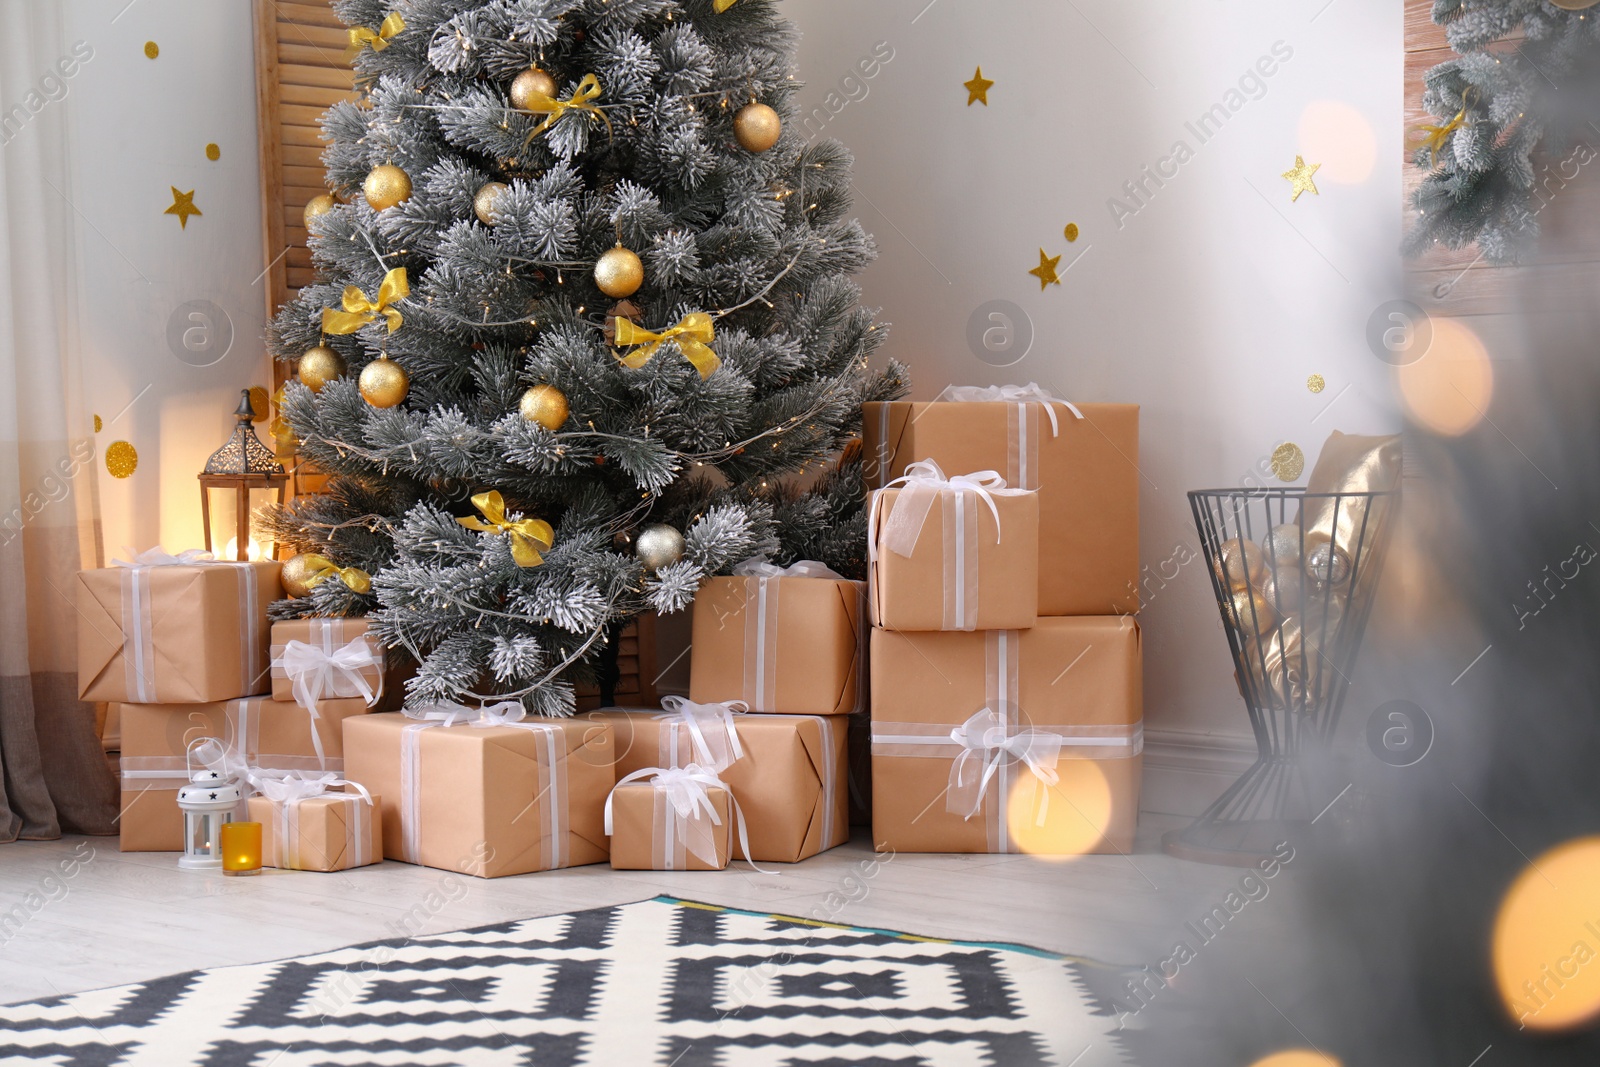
(209, 800)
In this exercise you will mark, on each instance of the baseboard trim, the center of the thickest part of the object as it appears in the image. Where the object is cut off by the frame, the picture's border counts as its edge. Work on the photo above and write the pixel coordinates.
(1185, 770)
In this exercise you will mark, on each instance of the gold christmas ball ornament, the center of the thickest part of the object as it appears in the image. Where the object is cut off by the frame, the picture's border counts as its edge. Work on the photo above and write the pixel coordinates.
(386, 186)
(757, 127)
(1250, 613)
(619, 273)
(1282, 546)
(1283, 591)
(1240, 564)
(546, 405)
(486, 201)
(319, 206)
(320, 365)
(658, 545)
(1574, 5)
(296, 575)
(529, 83)
(384, 383)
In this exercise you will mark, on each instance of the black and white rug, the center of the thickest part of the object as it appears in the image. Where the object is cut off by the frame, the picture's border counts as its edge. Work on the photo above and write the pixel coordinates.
(662, 981)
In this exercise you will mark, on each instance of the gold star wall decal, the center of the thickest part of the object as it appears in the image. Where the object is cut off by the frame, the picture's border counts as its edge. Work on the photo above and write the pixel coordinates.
(1046, 271)
(1300, 178)
(182, 206)
(978, 89)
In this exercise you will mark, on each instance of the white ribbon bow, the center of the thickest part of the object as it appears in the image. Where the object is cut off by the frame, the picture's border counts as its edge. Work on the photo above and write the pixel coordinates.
(297, 787)
(756, 567)
(986, 743)
(1016, 394)
(447, 714)
(687, 790)
(922, 483)
(219, 759)
(317, 674)
(160, 557)
(713, 737)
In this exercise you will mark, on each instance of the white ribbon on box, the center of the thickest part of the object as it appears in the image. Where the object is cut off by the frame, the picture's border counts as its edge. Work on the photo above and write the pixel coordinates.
(713, 737)
(683, 803)
(289, 792)
(761, 625)
(242, 728)
(990, 748)
(1022, 469)
(138, 644)
(922, 486)
(320, 671)
(552, 772)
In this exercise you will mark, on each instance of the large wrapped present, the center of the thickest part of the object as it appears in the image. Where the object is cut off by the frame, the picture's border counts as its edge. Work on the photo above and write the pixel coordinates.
(305, 827)
(953, 553)
(1083, 459)
(786, 771)
(1008, 741)
(784, 640)
(670, 819)
(485, 792)
(260, 733)
(317, 658)
(174, 629)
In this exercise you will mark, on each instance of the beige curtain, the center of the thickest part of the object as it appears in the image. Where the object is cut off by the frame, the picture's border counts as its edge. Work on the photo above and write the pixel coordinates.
(53, 775)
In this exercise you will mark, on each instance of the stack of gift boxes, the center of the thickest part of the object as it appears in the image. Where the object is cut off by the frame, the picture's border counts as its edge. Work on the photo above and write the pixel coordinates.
(1006, 696)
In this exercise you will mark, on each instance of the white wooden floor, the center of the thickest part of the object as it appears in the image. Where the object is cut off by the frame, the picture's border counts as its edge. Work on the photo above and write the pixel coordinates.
(127, 917)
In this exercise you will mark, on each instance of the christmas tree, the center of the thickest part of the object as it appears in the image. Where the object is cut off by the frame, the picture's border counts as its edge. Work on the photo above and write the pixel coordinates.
(1497, 108)
(500, 424)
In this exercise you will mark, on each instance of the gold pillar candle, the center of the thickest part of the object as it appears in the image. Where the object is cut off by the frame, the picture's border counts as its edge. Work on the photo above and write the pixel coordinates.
(241, 848)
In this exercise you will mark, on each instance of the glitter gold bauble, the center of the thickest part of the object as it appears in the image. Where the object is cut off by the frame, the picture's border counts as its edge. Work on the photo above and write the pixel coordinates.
(319, 366)
(296, 573)
(619, 273)
(1239, 565)
(546, 405)
(384, 383)
(122, 459)
(486, 200)
(757, 127)
(1574, 5)
(658, 545)
(386, 186)
(319, 206)
(1282, 547)
(1283, 591)
(1250, 613)
(530, 82)
(1288, 462)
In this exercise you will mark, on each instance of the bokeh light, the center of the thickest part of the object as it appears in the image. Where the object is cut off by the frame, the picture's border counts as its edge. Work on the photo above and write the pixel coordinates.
(1449, 389)
(1546, 945)
(1077, 810)
(1298, 1057)
(1340, 138)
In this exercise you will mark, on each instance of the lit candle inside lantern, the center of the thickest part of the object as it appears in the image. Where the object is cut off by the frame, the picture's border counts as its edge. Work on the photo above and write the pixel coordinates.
(241, 848)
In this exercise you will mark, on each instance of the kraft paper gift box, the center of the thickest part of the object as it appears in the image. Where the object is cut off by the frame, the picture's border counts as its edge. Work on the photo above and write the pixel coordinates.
(332, 658)
(782, 644)
(790, 779)
(323, 832)
(650, 833)
(1008, 741)
(1086, 470)
(264, 733)
(486, 800)
(174, 632)
(956, 553)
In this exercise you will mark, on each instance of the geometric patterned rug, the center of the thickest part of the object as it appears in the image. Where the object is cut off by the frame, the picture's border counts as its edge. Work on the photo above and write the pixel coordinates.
(663, 981)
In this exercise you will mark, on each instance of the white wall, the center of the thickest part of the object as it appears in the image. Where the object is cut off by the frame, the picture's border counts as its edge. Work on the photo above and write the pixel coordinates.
(1209, 307)
(139, 127)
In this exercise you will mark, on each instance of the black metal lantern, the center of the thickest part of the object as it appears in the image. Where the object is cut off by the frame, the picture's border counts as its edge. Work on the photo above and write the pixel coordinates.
(243, 465)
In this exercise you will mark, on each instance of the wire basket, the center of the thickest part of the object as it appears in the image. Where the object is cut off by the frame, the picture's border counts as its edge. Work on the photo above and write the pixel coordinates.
(1294, 575)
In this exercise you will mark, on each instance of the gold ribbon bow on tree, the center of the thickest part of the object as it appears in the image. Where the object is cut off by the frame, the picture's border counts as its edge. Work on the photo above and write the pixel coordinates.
(693, 335)
(359, 311)
(529, 537)
(540, 104)
(361, 36)
(322, 568)
(722, 5)
(1434, 137)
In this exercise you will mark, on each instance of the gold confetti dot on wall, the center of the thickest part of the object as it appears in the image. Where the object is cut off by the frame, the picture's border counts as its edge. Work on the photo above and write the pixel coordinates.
(98, 425)
(1288, 462)
(1316, 383)
(258, 403)
(151, 49)
(1071, 232)
(213, 152)
(122, 459)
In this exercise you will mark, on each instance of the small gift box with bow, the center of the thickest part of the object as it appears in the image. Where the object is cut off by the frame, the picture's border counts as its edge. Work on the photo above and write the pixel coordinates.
(954, 552)
(671, 819)
(1021, 740)
(787, 772)
(1083, 459)
(485, 791)
(165, 629)
(315, 659)
(307, 827)
(787, 640)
